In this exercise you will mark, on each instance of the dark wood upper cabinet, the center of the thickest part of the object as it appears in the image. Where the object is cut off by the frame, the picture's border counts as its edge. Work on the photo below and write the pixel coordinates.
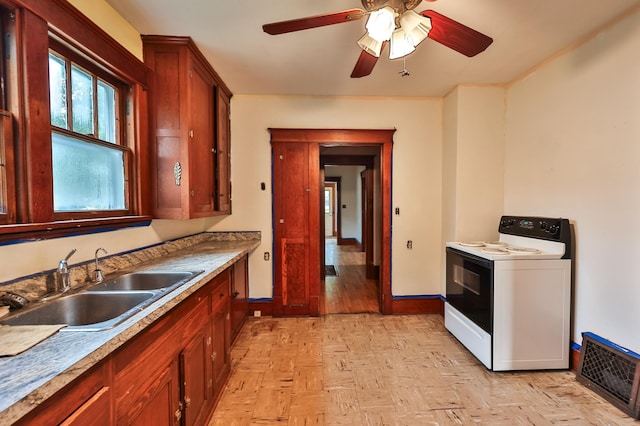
(189, 131)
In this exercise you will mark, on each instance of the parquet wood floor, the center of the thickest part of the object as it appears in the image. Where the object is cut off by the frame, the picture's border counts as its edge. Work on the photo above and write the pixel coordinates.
(350, 291)
(369, 369)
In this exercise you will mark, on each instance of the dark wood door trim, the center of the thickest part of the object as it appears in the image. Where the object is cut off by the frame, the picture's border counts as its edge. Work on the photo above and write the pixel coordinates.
(347, 137)
(337, 210)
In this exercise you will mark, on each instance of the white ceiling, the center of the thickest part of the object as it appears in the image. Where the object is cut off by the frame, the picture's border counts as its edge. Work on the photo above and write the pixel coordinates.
(319, 61)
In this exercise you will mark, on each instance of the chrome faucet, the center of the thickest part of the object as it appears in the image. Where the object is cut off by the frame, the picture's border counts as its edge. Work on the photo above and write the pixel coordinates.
(97, 273)
(63, 281)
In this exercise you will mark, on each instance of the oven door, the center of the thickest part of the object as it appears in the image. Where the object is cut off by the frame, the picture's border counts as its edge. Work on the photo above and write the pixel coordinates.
(470, 287)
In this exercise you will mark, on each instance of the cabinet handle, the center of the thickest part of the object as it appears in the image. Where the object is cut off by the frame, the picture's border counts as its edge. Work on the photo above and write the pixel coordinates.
(177, 172)
(191, 133)
(235, 294)
(222, 294)
(187, 402)
(214, 355)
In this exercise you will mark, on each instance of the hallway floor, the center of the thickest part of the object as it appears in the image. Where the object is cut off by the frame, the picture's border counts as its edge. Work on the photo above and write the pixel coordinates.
(369, 369)
(349, 291)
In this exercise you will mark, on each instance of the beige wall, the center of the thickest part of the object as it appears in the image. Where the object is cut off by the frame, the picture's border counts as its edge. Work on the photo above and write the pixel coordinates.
(573, 150)
(473, 163)
(417, 171)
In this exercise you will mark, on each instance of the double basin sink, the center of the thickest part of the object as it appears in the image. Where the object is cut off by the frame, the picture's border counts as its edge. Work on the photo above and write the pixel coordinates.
(104, 305)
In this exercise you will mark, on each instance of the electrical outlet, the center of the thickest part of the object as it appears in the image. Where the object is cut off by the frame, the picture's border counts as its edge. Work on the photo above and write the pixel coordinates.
(409, 244)
(266, 255)
(257, 313)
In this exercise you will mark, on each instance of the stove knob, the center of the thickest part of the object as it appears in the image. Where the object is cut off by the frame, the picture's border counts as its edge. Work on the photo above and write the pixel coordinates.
(543, 225)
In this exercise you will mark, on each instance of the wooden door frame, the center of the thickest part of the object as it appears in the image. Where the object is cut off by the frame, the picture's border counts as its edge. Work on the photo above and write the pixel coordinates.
(354, 138)
(337, 181)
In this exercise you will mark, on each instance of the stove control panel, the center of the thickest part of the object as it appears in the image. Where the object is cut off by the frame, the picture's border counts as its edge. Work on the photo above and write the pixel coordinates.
(544, 228)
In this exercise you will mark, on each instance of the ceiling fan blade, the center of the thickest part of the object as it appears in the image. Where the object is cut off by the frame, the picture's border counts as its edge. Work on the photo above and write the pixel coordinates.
(456, 36)
(313, 21)
(365, 64)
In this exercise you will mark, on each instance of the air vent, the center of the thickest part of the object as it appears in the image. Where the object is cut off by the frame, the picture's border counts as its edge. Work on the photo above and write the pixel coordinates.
(611, 371)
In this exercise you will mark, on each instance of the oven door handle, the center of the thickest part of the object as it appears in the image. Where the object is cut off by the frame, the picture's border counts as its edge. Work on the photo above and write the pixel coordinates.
(472, 290)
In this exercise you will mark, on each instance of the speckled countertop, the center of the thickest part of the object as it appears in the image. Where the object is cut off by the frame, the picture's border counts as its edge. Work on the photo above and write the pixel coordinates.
(28, 379)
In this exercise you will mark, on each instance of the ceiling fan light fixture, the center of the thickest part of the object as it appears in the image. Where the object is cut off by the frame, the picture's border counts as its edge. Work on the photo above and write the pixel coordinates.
(415, 26)
(381, 24)
(370, 45)
(401, 44)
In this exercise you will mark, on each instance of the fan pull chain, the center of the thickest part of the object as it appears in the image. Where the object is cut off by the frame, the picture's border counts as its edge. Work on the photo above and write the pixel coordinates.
(404, 72)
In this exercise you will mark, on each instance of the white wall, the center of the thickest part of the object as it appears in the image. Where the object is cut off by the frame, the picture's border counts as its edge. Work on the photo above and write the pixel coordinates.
(473, 174)
(417, 171)
(573, 150)
(351, 215)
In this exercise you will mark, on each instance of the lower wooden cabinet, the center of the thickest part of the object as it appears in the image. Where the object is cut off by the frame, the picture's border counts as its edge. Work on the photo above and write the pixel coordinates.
(239, 295)
(171, 374)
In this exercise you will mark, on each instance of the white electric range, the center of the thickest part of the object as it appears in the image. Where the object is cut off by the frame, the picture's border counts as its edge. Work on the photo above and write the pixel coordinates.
(509, 301)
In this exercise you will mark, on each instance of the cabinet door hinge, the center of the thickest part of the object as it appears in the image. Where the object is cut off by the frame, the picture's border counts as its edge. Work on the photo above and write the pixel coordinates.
(190, 73)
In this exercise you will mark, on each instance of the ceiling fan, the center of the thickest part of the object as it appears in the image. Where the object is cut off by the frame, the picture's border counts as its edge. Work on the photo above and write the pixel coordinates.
(393, 22)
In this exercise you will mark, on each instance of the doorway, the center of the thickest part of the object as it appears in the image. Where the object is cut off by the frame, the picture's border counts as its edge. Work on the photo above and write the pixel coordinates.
(298, 220)
(345, 287)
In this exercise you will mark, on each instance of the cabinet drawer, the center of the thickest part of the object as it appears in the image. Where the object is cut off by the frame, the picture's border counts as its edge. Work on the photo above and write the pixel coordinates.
(220, 294)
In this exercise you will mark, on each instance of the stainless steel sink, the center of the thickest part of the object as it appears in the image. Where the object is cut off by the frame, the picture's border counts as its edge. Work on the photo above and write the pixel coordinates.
(104, 305)
(85, 311)
(145, 280)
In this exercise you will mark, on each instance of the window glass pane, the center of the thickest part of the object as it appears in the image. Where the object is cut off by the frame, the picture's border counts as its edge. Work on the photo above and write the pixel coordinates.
(82, 101)
(86, 176)
(58, 91)
(106, 112)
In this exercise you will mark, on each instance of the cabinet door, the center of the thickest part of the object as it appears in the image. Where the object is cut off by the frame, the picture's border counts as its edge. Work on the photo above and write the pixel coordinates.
(295, 167)
(239, 295)
(223, 154)
(159, 404)
(220, 332)
(201, 143)
(196, 377)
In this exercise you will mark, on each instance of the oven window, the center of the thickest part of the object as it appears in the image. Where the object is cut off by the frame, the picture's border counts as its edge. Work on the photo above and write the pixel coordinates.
(470, 287)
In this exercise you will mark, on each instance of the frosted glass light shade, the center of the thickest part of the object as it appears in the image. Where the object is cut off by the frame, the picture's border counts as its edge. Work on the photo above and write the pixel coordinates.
(415, 26)
(370, 45)
(381, 24)
(401, 44)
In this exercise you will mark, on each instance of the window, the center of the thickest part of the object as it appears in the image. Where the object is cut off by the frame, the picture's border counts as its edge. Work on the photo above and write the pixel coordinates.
(88, 163)
(74, 149)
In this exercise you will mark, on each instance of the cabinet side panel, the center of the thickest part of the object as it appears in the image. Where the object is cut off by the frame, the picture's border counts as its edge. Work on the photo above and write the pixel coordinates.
(167, 90)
